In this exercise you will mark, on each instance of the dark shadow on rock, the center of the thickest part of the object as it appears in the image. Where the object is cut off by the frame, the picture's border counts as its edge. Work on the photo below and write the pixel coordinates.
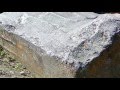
(107, 65)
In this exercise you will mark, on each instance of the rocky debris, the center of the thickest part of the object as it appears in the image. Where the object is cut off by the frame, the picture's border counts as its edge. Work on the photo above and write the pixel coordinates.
(23, 73)
(11, 68)
(71, 38)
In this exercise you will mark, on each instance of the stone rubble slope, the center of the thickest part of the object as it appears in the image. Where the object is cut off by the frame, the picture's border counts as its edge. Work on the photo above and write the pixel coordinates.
(76, 38)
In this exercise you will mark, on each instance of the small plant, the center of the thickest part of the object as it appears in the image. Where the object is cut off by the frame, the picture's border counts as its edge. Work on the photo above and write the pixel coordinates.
(11, 59)
(2, 53)
(18, 66)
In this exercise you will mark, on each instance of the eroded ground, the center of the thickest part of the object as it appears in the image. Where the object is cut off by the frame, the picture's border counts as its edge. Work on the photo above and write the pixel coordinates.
(11, 68)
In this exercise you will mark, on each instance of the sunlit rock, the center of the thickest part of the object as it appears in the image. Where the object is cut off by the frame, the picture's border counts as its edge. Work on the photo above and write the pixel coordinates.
(57, 44)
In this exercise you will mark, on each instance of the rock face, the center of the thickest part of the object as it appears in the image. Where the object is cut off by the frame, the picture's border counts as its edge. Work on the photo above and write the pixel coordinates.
(59, 44)
(107, 65)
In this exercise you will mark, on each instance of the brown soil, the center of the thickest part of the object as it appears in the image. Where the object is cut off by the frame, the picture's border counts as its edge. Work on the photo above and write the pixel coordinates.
(11, 68)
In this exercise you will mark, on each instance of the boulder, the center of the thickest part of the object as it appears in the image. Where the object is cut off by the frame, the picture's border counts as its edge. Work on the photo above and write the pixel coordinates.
(62, 44)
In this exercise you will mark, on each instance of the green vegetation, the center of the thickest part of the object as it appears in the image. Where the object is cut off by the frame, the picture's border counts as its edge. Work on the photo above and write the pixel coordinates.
(2, 52)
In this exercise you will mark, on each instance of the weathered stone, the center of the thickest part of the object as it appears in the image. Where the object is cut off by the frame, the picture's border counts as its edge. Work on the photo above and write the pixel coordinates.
(107, 65)
(28, 54)
(59, 44)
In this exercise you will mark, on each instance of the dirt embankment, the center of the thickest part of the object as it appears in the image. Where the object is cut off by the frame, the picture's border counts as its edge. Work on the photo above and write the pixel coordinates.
(11, 68)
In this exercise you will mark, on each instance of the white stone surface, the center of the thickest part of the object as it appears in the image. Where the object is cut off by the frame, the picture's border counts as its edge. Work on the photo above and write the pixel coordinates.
(75, 37)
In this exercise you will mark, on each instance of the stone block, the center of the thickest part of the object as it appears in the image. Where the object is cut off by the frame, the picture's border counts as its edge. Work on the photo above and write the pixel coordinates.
(63, 44)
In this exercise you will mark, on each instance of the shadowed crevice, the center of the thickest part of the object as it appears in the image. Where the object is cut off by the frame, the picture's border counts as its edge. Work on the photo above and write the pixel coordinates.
(107, 65)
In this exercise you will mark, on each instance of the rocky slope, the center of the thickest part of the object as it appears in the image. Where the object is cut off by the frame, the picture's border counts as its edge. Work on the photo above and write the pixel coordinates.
(11, 68)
